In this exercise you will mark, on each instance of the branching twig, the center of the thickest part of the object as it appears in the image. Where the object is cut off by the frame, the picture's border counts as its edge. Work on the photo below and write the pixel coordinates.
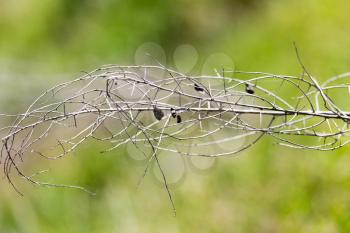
(177, 113)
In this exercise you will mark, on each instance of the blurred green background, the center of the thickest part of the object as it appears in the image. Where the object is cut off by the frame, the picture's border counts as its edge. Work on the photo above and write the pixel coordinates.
(265, 189)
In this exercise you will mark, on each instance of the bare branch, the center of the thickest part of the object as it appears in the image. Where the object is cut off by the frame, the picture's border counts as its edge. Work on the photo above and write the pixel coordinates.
(178, 114)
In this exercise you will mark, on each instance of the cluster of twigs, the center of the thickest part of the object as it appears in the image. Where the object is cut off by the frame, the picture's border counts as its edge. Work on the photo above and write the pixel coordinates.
(159, 109)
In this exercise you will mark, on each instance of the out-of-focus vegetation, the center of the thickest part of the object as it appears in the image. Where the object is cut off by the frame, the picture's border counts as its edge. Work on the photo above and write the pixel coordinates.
(265, 189)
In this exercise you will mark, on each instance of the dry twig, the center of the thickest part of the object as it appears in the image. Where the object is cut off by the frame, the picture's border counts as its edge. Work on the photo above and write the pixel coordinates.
(165, 110)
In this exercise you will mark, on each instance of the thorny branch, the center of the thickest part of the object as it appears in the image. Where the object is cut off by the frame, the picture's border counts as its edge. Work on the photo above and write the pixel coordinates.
(164, 110)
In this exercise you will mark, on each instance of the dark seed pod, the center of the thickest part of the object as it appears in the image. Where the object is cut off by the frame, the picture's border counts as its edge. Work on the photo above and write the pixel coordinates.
(249, 88)
(158, 114)
(178, 119)
(198, 88)
(173, 112)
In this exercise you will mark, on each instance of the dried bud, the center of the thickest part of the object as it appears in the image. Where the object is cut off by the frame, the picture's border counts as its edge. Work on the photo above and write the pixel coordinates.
(198, 88)
(158, 114)
(173, 112)
(178, 119)
(249, 88)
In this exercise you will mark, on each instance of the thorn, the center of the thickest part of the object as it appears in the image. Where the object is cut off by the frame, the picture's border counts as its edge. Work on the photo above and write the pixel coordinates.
(158, 113)
(198, 88)
(249, 88)
(178, 119)
(173, 112)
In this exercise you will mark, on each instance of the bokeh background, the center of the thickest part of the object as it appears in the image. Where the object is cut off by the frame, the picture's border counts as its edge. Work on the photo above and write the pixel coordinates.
(264, 189)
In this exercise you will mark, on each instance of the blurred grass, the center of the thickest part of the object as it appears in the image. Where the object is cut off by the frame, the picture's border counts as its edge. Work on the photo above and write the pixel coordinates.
(266, 189)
